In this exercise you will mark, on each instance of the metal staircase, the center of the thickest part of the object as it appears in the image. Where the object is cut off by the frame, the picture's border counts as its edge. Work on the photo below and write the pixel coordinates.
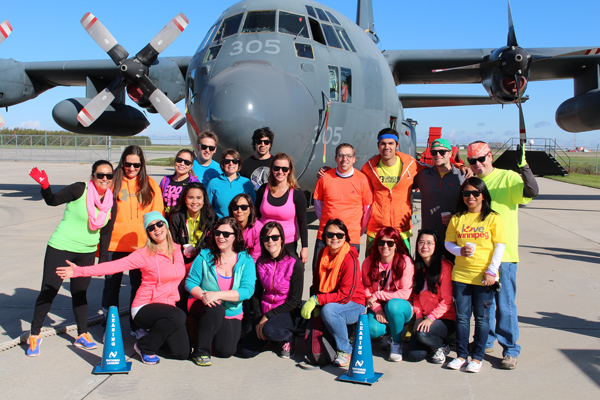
(545, 157)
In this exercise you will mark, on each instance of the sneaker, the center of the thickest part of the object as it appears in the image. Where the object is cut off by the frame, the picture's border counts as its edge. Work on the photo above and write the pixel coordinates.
(457, 363)
(287, 350)
(84, 341)
(385, 342)
(203, 361)
(395, 352)
(34, 342)
(473, 367)
(489, 350)
(342, 359)
(149, 359)
(509, 362)
(439, 356)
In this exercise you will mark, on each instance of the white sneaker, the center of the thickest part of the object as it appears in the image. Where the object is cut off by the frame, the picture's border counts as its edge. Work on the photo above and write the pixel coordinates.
(439, 357)
(395, 352)
(473, 366)
(457, 363)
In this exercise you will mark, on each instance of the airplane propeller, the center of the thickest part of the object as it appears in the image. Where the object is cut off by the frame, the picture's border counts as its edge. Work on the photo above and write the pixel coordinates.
(134, 71)
(5, 30)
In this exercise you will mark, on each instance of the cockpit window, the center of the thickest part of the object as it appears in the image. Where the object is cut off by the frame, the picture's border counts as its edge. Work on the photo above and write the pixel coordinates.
(229, 27)
(331, 36)
(334, 79)
(345, 39)
(293, 24)
(332, 18)
(259, 21)
(317, 33)
(322, 15)
(212, 53)
(311, 11)
(208, 37)
(304, 50)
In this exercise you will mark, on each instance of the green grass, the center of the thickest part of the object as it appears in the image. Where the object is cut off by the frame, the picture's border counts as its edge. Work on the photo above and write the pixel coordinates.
(578, 179)
(162, 162)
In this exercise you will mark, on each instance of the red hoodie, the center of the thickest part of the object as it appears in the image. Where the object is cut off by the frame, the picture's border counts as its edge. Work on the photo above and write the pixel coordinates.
(349, 283)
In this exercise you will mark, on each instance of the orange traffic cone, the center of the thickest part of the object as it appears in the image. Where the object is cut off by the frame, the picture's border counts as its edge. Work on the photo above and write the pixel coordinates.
(361, 365)
(113, 355)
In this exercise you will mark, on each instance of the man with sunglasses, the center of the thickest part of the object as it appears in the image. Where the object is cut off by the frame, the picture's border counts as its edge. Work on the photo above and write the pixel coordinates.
(508, 189)
(205, 168)
(256, 167)
(343, 193)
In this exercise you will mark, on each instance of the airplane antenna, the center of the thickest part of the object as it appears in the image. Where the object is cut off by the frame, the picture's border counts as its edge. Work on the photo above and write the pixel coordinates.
(365, 20)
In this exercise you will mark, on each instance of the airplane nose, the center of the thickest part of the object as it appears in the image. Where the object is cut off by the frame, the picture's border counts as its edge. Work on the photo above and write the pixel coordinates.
(253, 94)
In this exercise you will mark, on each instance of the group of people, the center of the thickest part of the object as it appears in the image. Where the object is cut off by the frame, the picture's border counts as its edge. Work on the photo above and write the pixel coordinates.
(215, 268)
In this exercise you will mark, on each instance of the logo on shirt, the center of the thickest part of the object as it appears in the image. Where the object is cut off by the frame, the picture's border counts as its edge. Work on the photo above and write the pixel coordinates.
(389, 179)
(259, 177)
(473, 232)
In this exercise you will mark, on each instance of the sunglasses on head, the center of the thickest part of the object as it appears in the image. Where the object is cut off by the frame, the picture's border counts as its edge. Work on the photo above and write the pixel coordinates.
(331, 235)
(274, 238)
(388, 243)
(158, 224)
(277, 168)
(100, 175)
(440, 152)
(473, 161)
(231, 161)
(265, 142)
(204, 147)
(183, 160)
(224, 234)
(468, 193)
(244, 207)
(135, 165)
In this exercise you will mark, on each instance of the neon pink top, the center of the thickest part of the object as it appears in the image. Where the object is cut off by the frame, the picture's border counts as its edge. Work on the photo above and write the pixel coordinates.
(285, 215)
(226, 283)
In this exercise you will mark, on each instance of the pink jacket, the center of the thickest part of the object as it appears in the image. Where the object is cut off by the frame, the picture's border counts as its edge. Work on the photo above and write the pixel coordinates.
(404, 284)
(252, 239)
(440, 305)
(160, 276)
(275, 280)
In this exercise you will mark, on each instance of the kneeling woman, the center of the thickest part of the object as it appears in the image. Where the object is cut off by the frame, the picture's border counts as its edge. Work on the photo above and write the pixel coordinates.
(221, 278)
(388, 279)
(277, 297)
(337, 288)
(161, 264)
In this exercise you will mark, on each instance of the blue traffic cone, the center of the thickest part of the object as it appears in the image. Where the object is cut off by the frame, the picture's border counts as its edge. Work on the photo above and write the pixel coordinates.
(113, 355)
(361, 364)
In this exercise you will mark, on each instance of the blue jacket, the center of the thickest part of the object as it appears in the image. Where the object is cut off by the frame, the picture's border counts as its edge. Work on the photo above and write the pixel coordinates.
(221, 191)
(204, 274)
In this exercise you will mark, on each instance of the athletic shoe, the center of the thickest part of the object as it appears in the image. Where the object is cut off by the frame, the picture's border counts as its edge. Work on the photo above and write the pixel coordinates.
(509, 362)
(84, 341)
(287, 350)
(149, 359)
(489, 350)
(203, 361)
(457, 363)
(34, 342)
(342, 359)
(395, 352)
(385, 342)
(473, 367)
(439, 356)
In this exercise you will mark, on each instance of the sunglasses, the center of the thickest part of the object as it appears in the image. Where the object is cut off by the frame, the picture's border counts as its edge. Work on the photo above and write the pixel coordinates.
(473, 161)
(224, 234)
(151, 227)
(234, 161)
(244, 207)
(274, 238)
(468, 193)
(100, 175)
(277, 168)
(135, 165)
(331, 235)
(183, 160)
(265, 142)
(440, 152)
(388, 243)
(204, 147)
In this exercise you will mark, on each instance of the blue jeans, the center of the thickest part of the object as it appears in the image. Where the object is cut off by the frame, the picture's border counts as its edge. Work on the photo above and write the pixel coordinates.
(478, 300)
(398, 313)
(337, 317)
(504, 320)
(319, 245)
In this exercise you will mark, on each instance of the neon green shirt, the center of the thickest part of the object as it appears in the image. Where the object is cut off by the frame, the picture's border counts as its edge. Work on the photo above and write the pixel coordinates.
(390, 176)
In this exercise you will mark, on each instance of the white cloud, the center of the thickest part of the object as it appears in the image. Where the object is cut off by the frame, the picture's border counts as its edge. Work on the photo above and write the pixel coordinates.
(30, 125)
(542, 124)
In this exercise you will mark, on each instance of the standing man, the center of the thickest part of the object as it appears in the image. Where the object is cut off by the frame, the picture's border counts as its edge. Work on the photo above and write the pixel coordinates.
(508, 189)
(205, 168)
(343, 193)
(256, 167)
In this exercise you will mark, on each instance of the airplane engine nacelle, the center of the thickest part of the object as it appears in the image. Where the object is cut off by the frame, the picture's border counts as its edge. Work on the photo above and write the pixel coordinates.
(580, 113)
(15, 85)
(502, 88)
(117, 120)
(166, 75)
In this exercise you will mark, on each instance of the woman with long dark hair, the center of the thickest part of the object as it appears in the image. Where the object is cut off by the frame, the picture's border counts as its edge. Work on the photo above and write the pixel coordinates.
(242, 209)
(387, 275)
(432, 301)
(171, 186)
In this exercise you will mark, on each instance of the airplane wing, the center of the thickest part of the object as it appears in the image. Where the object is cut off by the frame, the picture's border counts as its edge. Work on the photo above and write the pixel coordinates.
(442, 100)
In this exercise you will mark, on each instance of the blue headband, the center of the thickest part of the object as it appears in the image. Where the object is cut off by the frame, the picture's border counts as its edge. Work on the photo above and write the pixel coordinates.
(387, 136)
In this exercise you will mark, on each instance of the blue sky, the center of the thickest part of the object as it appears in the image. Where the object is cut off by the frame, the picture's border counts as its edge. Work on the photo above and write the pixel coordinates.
(46, 32)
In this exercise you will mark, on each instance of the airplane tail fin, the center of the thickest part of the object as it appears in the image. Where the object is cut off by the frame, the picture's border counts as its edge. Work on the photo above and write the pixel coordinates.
(364, 18)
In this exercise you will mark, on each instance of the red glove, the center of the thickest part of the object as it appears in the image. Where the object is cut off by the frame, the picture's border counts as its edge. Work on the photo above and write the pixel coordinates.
(40, 177)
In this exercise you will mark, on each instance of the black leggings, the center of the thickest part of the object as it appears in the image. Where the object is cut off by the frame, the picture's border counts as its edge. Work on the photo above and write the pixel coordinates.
(166, 328)
(214, 331)
(112, 287)
(51, 283)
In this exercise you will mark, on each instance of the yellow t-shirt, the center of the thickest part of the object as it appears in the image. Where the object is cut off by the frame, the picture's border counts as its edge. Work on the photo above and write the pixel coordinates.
(390, 176)
(468, 228)
(194, 233)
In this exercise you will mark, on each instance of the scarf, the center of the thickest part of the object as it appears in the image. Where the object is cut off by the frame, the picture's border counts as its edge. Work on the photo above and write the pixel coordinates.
(94, 202)
(330, 268)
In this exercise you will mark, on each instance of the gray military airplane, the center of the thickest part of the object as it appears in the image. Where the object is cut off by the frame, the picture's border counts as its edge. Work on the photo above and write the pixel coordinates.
(305, 70)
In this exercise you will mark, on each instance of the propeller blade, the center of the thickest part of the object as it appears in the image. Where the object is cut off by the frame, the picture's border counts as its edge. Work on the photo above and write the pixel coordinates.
(102, 36)
(512, 37)
(165, 107)
(96, 107)
(163, 39)
(485, 64)
(1, 121)
(5, 30)
(522, 132)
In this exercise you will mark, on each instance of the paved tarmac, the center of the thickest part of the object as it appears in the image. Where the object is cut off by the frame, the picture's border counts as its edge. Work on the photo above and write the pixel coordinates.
(559, 284)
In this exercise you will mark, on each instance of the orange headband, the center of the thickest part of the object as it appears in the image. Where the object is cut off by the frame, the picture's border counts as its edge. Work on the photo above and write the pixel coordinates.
(475, 150)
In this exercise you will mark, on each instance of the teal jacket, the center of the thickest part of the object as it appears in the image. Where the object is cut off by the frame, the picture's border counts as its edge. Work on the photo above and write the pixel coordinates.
(204, 274)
